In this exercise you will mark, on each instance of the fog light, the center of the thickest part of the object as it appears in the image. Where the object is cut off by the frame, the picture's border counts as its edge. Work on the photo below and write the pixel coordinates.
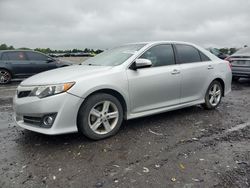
(48, 120)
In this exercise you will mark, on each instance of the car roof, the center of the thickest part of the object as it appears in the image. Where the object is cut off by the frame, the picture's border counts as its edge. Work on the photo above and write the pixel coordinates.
(2, 51)
(17, 51)
(162, 42)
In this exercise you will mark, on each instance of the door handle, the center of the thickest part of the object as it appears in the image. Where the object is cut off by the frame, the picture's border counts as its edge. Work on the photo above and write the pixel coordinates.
(210, 67)
(175, 71)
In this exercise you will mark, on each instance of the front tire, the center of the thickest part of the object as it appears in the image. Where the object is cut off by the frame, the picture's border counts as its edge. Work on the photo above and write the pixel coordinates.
(5, 76)
(100, 116)
(213, 95)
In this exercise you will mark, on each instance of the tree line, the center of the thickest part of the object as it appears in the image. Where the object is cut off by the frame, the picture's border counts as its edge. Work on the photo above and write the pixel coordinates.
(49, 51)
(229, 51)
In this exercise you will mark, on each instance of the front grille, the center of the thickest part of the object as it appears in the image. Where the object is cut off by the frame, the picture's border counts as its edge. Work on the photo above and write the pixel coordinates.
(241, 63)
(32, 120)
(240, 57)
(22, 94)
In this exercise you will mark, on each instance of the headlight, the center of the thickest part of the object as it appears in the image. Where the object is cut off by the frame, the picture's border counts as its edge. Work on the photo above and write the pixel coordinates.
(48, 90)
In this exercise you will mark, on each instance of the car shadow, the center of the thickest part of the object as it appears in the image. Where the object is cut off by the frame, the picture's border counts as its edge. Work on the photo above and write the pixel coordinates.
(240, 84)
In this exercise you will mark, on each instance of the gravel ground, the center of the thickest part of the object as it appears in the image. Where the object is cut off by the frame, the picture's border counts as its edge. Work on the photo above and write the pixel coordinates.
(186, 148)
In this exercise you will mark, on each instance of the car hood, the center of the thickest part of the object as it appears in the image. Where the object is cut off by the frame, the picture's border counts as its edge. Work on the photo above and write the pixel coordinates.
(65, 74)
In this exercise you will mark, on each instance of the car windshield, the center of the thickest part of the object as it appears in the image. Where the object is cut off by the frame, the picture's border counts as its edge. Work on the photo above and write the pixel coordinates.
(115, 56)
(243, 51)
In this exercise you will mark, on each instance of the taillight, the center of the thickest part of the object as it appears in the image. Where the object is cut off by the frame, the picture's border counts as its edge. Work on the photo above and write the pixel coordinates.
(229, 61)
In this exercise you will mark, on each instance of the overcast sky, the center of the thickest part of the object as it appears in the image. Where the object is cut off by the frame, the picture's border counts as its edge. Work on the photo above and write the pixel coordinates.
(61, 24)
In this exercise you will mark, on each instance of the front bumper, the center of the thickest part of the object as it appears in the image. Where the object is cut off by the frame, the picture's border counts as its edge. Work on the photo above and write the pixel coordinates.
(64, 105)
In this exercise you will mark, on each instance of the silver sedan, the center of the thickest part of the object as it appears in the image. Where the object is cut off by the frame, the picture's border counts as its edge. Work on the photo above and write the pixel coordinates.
(126, 82)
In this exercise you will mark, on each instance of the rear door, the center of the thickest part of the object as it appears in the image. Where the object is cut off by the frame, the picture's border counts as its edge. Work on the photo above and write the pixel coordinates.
(196, 71)
(40, 61)
(18, 62)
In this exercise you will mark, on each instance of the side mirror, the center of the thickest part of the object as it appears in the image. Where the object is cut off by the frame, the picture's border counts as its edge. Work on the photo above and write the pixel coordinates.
(49, 60)
(141, 63)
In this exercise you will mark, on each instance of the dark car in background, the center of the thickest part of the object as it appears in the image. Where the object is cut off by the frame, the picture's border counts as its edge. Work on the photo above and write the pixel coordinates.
(240, 62)
(25, 63)
(217, 53)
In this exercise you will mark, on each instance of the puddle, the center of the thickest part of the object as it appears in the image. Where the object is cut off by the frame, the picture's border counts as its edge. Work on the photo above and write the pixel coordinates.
(238, 127)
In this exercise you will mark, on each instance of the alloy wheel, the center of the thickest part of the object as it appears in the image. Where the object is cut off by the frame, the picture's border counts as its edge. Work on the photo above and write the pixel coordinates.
(103, 117)
(214, 94)
(4, 76)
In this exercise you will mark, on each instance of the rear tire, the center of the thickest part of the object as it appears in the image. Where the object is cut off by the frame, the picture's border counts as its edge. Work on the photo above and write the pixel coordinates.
(213, 95)
(100, 116)
(5, 76)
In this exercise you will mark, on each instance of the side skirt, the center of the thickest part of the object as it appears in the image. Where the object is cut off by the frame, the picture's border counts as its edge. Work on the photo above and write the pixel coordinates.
(165, 109)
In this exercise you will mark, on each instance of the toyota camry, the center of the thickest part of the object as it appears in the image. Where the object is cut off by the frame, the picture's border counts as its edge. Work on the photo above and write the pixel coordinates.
(126, 82)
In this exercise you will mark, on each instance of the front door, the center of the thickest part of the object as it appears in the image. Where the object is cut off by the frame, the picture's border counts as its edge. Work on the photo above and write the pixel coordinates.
(157, 86)
(40, 62)
(19, 63)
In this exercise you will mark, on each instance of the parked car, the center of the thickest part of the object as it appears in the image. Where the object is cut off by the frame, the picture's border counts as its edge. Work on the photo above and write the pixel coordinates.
(126, 82)
(240, 62)
(217, 53)
(25, 63)
(81, 54)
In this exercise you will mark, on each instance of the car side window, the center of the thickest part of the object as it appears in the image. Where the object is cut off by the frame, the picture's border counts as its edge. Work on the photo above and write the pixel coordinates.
(160, 55)
(4, 56)
(15, 56)
(204, 57)
(36, 56)
(187, 53)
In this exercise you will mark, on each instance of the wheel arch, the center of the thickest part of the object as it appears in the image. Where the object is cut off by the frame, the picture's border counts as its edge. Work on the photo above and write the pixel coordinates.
(221, 81)
(112, 92)
(11, 73)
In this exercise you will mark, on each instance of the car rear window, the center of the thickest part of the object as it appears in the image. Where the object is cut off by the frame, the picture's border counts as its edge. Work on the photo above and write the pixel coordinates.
(5, 56)
(204, 57)
(16, 56)
(36, 56)
(187, 53)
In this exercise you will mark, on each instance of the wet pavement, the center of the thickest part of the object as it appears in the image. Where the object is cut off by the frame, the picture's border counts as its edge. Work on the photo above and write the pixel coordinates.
(186, 148)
